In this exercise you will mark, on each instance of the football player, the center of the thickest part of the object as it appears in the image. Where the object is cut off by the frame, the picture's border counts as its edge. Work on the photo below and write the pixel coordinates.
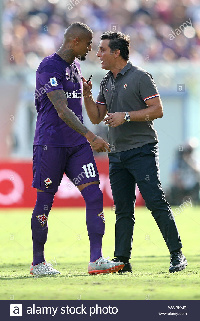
(62, 144)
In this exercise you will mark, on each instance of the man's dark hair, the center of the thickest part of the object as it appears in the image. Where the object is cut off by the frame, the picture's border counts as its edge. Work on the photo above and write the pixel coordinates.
(119, 41)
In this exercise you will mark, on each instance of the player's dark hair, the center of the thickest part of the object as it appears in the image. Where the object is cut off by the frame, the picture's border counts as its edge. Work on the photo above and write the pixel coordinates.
(119, 41)
(79, 25)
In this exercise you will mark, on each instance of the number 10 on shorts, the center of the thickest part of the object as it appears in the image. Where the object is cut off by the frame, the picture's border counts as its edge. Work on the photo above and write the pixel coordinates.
(89, 170)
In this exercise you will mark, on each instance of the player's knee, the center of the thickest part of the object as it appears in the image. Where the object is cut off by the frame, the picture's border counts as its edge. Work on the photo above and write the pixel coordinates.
(45, 200)
(93, 196)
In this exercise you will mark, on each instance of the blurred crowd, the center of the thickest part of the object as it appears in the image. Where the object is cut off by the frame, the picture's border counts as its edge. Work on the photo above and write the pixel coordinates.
(160, 30)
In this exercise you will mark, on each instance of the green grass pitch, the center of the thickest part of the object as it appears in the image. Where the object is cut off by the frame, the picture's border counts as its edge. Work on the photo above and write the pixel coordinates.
(68, 249)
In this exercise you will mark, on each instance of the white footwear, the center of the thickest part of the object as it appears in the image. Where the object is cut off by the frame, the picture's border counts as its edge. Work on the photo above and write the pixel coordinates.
(178, 262)
(103, 265)
(43, 269)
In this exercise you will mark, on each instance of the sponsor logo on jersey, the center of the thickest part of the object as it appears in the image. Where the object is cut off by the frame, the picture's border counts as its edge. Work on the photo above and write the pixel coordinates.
(47, 182)
(74, 94)
(53, 81)
(102, 216)
(42, 219)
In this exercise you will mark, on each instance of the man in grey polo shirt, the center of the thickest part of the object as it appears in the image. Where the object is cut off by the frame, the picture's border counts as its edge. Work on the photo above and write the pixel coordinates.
(130, 101)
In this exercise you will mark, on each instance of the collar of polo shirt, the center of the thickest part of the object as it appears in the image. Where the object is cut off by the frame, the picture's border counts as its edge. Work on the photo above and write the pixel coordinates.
(125, 69)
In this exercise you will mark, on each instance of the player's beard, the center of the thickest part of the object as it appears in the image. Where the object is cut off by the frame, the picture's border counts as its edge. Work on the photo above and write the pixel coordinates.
(82, 58)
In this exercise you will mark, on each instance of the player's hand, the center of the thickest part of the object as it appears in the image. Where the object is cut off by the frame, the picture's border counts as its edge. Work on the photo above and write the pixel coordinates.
(114, 119)
(87, 87)
(97, 143)
(100, 145)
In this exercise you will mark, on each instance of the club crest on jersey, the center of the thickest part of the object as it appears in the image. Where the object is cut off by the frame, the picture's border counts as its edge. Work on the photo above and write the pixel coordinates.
(42, 219)
(47, 182)
(102, 216)
(53, 81)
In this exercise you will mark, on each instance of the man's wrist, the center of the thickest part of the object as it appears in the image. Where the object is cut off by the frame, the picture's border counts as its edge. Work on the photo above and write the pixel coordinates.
(127, 117)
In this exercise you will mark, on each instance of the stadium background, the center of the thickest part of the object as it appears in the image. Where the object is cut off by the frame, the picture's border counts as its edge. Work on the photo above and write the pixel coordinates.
(165, 40)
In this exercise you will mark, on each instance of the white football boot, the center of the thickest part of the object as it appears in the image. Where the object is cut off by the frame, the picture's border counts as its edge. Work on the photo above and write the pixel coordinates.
(103, 265)
(43, 269)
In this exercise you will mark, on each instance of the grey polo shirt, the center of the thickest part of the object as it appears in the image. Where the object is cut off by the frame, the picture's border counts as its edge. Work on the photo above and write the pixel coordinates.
(129, 91)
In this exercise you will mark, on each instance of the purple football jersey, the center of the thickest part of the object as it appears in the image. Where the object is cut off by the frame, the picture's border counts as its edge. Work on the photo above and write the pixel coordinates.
(54, 73)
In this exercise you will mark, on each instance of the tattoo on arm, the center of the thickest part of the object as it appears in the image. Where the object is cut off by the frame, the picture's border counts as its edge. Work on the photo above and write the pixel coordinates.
(59, 100)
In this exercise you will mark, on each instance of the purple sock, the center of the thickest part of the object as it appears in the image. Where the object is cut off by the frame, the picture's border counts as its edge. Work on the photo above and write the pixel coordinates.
(39, 225)
(95, 246)
(94, 219)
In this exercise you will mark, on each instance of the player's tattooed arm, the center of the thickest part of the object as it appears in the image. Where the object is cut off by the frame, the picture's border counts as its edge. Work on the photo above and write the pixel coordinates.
(59, 100)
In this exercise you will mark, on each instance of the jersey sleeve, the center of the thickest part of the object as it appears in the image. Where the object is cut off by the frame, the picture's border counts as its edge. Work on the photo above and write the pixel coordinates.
(51, 78)
(148, 87)
(100, 98)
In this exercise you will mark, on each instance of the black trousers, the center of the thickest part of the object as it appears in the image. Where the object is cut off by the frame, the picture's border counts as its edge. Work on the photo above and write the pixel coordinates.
(139, 165)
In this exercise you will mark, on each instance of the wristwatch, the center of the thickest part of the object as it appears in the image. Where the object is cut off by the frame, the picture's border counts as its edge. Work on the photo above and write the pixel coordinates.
(127, 117)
